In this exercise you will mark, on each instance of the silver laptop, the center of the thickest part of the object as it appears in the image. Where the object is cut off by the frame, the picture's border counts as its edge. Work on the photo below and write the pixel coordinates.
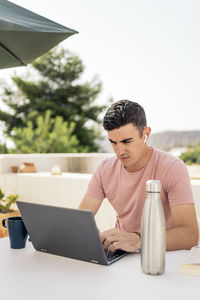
(66, 232)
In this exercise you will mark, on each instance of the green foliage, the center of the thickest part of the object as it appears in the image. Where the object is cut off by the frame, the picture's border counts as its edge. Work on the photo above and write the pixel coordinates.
(3, 149)
(192, 156)
(54, 82)
(51, 135)
(5, 204)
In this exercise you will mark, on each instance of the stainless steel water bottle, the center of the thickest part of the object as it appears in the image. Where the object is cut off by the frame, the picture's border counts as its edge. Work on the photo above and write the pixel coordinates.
(153, 231)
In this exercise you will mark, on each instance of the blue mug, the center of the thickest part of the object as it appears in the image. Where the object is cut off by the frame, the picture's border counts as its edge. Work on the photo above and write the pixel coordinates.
(17, 232)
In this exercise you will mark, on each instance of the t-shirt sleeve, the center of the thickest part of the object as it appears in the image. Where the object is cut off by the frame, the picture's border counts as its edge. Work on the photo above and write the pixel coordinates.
(95, 187)
(178, 184)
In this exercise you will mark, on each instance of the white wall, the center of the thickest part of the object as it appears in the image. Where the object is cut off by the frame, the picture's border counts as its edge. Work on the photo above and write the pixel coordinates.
(68, 162)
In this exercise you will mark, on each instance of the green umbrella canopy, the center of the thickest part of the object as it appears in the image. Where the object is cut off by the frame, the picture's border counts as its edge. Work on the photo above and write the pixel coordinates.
(24, 35)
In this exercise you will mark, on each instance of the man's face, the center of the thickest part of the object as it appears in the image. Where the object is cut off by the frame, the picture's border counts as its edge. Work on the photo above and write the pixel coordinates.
(129, 146)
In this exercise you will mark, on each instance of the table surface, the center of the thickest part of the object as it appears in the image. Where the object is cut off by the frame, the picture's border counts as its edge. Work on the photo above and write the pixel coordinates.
(29, 274)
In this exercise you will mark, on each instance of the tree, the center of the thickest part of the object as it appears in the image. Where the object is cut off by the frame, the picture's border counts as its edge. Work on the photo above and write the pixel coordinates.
(51, 135)
(3, 148)
(55, 84)
(192, 155)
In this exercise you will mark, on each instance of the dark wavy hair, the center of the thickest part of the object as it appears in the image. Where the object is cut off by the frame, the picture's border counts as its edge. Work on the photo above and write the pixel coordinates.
(124, 112)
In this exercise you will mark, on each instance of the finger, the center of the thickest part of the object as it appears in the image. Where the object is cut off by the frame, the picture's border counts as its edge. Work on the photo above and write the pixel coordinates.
(109, 241)
(105, 234)
(102, 237)
(109, 236)
(106, 243)
(114, 246)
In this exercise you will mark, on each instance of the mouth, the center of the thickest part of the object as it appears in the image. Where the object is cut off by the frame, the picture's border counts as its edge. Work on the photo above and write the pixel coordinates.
(123, 158)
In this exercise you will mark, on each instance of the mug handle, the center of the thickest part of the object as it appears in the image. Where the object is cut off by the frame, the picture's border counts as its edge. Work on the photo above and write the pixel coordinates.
(4, 223)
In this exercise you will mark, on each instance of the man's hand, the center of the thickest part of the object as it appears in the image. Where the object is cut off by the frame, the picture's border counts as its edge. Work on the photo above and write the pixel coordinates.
(117, 239)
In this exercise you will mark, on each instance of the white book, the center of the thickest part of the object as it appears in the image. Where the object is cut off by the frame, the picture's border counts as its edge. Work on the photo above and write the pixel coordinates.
(191, 263)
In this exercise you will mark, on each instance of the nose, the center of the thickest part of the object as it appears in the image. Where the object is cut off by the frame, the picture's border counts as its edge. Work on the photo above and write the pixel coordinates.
(120, 149)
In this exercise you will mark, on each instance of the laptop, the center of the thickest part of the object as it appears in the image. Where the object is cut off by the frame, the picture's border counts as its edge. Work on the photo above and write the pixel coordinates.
(66, 232)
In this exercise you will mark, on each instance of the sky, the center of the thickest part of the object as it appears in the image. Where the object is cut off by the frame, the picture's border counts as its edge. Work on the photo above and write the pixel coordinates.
(144, 51)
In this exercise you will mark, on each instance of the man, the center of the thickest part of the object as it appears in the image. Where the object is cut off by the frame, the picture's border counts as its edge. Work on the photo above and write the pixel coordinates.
(122, 180)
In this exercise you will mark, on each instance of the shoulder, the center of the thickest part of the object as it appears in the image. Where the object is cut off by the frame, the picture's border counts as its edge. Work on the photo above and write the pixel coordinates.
(108, 164)
(168, 164)
(106, 169)
(165, 159)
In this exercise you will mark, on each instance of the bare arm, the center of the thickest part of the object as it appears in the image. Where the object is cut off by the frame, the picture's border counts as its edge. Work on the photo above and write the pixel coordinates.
(90, 203)
(184, 234)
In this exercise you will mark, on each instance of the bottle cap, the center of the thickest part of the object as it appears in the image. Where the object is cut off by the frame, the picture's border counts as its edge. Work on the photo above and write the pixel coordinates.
(153, 186)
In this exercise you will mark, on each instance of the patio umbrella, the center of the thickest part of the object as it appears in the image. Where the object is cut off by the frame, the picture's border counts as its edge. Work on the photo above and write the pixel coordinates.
(24, 35)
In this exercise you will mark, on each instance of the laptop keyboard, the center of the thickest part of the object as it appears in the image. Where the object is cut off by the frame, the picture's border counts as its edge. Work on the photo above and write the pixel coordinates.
(113, 255)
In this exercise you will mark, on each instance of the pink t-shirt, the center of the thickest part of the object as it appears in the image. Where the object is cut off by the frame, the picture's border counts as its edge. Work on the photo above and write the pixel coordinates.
(126, 191)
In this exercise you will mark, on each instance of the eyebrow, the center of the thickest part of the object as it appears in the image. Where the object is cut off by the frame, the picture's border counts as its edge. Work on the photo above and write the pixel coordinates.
(122, 141)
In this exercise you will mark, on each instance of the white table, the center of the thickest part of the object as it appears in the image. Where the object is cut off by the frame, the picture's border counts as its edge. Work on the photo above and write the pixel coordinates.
(28, 274)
